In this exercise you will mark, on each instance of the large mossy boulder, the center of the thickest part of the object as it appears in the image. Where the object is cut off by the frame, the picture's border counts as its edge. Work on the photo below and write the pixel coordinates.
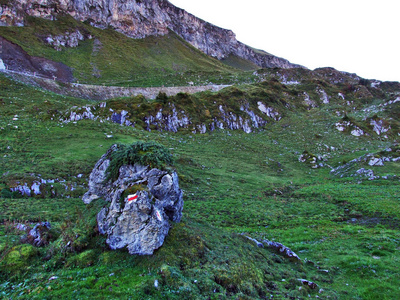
(143, 199)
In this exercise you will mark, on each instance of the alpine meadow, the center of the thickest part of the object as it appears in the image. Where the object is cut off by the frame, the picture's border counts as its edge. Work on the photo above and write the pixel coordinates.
(148, 154)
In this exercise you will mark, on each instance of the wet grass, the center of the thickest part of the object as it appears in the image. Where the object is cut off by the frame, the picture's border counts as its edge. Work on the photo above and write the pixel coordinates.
(345, 230)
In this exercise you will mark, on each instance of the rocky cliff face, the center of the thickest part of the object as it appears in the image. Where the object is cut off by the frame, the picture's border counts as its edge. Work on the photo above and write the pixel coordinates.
(142, 18)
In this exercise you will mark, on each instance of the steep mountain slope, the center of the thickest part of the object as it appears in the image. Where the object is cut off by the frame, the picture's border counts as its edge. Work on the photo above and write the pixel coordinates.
(108, 57)
(139, 19)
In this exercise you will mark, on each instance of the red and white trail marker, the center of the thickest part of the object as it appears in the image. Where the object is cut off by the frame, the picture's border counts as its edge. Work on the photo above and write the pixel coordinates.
(133, 197)
(158, 215)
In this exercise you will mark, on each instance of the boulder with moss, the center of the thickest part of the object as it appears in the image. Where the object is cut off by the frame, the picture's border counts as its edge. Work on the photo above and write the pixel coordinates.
(143, 196)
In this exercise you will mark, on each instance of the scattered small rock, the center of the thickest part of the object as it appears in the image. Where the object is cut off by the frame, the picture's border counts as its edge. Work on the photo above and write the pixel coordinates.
(308, 283)
(311, 159)
(259, 244)
(22, 227)
(283, 250)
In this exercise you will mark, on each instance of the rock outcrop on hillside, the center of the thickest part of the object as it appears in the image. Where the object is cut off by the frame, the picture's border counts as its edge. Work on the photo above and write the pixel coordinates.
(169, 118)
(15, 58)
(139, 19)
(143, 202)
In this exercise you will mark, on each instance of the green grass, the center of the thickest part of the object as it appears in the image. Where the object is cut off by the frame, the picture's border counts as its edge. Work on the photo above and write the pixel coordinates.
(142, 153)
(345, 230)
(240, 63)
(111, 58)
(36, 210)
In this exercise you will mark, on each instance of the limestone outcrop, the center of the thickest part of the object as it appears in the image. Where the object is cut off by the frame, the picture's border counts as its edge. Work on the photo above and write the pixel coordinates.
(142, 203)
(170, 118)
(139, 19)
(69, 39)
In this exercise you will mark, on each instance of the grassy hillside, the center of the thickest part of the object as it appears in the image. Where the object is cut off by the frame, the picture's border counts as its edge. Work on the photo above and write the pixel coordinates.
(111, 58)
(240, 63)
(345, 229)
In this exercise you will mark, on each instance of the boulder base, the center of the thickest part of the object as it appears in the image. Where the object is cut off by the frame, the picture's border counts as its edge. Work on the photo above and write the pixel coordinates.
(143, 202)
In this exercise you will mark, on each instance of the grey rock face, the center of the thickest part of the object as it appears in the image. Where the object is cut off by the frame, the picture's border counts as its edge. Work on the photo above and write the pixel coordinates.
(139, 224)
(11, 16)
(169, 122)
(169, 118)
(139, 19)
(69, 39)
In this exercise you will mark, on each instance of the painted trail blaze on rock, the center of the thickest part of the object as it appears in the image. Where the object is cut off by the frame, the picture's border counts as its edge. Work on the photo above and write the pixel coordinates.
(158, 216)
(138, 221)
(133, 197)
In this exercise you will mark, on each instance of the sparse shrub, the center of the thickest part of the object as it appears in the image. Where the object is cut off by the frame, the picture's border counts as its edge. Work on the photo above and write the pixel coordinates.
(235, 92)
(348, 88)
(77, 192)
(78, 233)
(184, 99)
(162, 97)
(6, 193)
(108, 258)
(84, 259)
(143, 153)
(16, 195)
(74, 236)
(364, 82)
(19, 258)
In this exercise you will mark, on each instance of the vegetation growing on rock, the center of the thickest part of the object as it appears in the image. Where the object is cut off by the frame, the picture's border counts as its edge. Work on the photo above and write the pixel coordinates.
(143, 153)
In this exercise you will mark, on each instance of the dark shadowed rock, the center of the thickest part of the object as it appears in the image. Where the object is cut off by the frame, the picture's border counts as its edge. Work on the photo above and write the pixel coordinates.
(17, 59)
(310, 284)
(38, 236)
(138, 223)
